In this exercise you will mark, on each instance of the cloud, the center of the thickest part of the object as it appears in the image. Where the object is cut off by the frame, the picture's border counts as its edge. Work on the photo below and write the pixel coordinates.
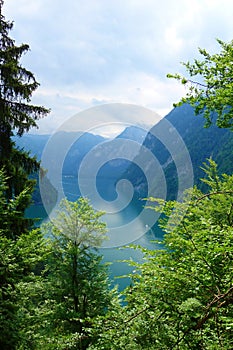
(85, 52)
(140, 89)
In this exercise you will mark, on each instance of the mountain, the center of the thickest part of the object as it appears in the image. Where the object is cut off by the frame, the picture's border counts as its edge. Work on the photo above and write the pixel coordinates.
(79, 145)
(83, 144)
(134, 133)
(32, 143)
(120, 151)
(201, 143)
(150, 161)
(35, 144)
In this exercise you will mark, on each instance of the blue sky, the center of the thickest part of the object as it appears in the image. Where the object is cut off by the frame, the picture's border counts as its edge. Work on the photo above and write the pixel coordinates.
(88, 52)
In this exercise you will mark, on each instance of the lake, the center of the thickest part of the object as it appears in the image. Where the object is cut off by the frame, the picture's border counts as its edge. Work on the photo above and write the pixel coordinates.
(128, 224)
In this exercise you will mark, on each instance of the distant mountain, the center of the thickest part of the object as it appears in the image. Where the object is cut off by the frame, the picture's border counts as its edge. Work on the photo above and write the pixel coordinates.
(32, 143)
(134, 133)
(83, 144)
(201, 143)
(35, 144)
(118, 149)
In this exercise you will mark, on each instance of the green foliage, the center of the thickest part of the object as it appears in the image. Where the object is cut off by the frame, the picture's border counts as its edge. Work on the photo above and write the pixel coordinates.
(19, 257)
(54, 292)
(17, 85)
(181, 297)
(77, 222)
(75, 287)
(16, 115)
(212, 91)
(11, 221)
(52, 289)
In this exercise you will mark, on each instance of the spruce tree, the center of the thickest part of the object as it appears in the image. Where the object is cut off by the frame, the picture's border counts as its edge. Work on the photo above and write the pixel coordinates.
(17, 116)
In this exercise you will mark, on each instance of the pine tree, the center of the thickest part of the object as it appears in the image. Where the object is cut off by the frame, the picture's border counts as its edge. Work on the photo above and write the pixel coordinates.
(17, 115)
(19, 259)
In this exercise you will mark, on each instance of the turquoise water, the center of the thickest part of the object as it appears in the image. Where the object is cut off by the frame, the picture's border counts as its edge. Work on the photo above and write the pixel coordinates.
(111, 255)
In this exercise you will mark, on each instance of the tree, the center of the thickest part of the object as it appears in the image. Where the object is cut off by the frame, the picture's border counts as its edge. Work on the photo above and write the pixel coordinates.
(211, 90)
(181, 297)
(19, 259)
(76, 287)
(10, 210)
(17, 115)
(78, 222)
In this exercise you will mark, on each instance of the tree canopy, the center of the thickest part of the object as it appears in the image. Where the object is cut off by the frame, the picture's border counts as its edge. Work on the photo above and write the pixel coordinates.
(54, 288)
(18, 260)
(75, 286)
(17, 115)
(210, 85)
(181, 297)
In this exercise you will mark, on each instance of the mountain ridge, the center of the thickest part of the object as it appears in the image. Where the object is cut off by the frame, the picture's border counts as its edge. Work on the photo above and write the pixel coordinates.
(201, 143)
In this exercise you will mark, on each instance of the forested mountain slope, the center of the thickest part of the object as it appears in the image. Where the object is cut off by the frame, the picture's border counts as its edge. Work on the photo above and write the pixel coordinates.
(201, 143)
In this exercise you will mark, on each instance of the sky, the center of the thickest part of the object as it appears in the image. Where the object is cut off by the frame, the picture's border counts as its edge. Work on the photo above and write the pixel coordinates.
(85, 53)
